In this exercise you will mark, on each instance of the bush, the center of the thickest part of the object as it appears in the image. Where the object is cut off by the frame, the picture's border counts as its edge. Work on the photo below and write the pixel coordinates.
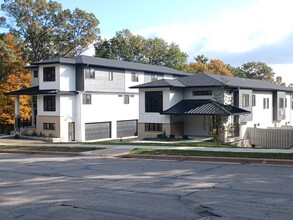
(16, 136)
(162, 136)
(171, 136)
(34, 133)
(185, 137)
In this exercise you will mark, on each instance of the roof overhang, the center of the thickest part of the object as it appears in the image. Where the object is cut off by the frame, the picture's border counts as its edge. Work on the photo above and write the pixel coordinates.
(203, 107)
(36, 91)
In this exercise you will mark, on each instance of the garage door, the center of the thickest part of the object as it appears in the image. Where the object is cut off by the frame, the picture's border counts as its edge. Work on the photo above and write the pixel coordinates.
(126, 128)
(98, 130)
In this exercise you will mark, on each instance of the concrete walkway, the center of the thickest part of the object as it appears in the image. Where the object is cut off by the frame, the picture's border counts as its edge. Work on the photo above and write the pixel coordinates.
(114, 150)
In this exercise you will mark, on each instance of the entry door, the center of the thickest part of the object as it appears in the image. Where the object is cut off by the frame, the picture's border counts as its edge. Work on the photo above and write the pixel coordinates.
(71, 131)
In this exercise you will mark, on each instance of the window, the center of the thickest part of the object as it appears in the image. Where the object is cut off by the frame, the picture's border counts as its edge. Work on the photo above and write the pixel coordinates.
(154, 101)
(49, 126)
(153, 127)
(134, 77)
(36, 73)
(281, 103)
(110, 75)
(126, 99)
(35, 101)
(286, 103)
(203, 92)
(245, 100)
(253, 100)
(89, 73)
(49, 103)
(266, 102)
(154, 77)
(87, 99)
(49, 74)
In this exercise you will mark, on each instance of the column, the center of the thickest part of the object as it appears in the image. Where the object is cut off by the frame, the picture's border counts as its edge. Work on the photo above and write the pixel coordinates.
(17, 114)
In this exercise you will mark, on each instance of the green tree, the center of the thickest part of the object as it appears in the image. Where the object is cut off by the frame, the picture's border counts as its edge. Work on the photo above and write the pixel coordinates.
(47, 30)
(134, 48)
(201, 58)
(258, 70)
(237, 71)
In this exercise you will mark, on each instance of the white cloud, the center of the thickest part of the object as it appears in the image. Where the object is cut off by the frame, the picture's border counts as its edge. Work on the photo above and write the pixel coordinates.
(264, 23)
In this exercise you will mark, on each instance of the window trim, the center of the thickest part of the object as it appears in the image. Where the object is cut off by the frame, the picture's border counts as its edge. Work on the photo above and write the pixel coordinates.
(202, 93)
(110, 75)
(153, 101)
(134, 77)
(86, 99)
(153, 127)
(49, 103)
(266, 103)
(245, 100)
(49, 76)
(253, 101)
(49, 126)
(126, 99)
(36, 73)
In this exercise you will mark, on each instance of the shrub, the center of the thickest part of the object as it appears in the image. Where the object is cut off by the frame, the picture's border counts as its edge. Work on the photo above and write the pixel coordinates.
(16, 136)
(171, 136)
(34, 133)
(185, 137)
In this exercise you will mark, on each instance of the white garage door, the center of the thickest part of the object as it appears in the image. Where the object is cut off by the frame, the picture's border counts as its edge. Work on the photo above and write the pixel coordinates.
(126, 128)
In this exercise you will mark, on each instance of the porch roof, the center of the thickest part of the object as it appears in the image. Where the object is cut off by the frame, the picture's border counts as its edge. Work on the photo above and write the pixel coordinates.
(36, 91)
(203, 107)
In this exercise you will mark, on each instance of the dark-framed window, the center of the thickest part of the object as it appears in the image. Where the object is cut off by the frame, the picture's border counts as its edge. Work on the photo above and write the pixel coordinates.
(253, 100)
(87, 99)
(126, 99)
(49, 74)
(36, 73)
(202, 92)
(266, 103)
(154, 101)
(50, 103)
(35, 101)
(49, 126)
(153, 127)
(134, 77)
(89, 73)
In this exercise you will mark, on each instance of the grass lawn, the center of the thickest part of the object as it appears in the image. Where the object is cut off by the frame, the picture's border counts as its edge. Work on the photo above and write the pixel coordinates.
(212, 153)
(176, 144)
(49, 148)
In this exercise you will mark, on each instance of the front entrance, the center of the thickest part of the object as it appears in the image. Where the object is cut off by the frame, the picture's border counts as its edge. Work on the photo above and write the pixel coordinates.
(71, 131)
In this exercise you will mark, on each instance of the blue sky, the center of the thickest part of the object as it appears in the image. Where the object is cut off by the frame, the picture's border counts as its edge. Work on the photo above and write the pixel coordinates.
(235, 31)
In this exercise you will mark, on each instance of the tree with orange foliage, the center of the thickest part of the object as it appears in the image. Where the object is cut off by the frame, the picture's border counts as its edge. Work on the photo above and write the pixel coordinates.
(12, 77)
(215, 66)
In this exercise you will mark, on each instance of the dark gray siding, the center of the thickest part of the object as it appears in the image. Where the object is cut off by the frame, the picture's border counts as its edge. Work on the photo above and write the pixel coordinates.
(101, 82)
(79, 78)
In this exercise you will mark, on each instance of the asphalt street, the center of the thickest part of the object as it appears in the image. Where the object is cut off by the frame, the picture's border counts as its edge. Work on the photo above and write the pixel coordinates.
(57, 187)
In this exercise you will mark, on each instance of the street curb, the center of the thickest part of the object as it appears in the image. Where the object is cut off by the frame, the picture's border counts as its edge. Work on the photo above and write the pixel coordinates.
(210, 159)
(69, 154)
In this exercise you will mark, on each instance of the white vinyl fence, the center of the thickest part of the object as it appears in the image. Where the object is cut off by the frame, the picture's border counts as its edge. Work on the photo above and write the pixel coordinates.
(279, 138)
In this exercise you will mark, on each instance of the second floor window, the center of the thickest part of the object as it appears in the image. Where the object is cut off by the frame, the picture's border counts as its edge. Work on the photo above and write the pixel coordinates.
(110, 75)
(49, 74)
(126, 99)
(253, 100)
(154, 77)
(134, 77)
(36, 73)
(86, 99)
(245, 100)
(281, 103)
(49, 103)
(266, 103)
(154, 101)
(89, 73)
